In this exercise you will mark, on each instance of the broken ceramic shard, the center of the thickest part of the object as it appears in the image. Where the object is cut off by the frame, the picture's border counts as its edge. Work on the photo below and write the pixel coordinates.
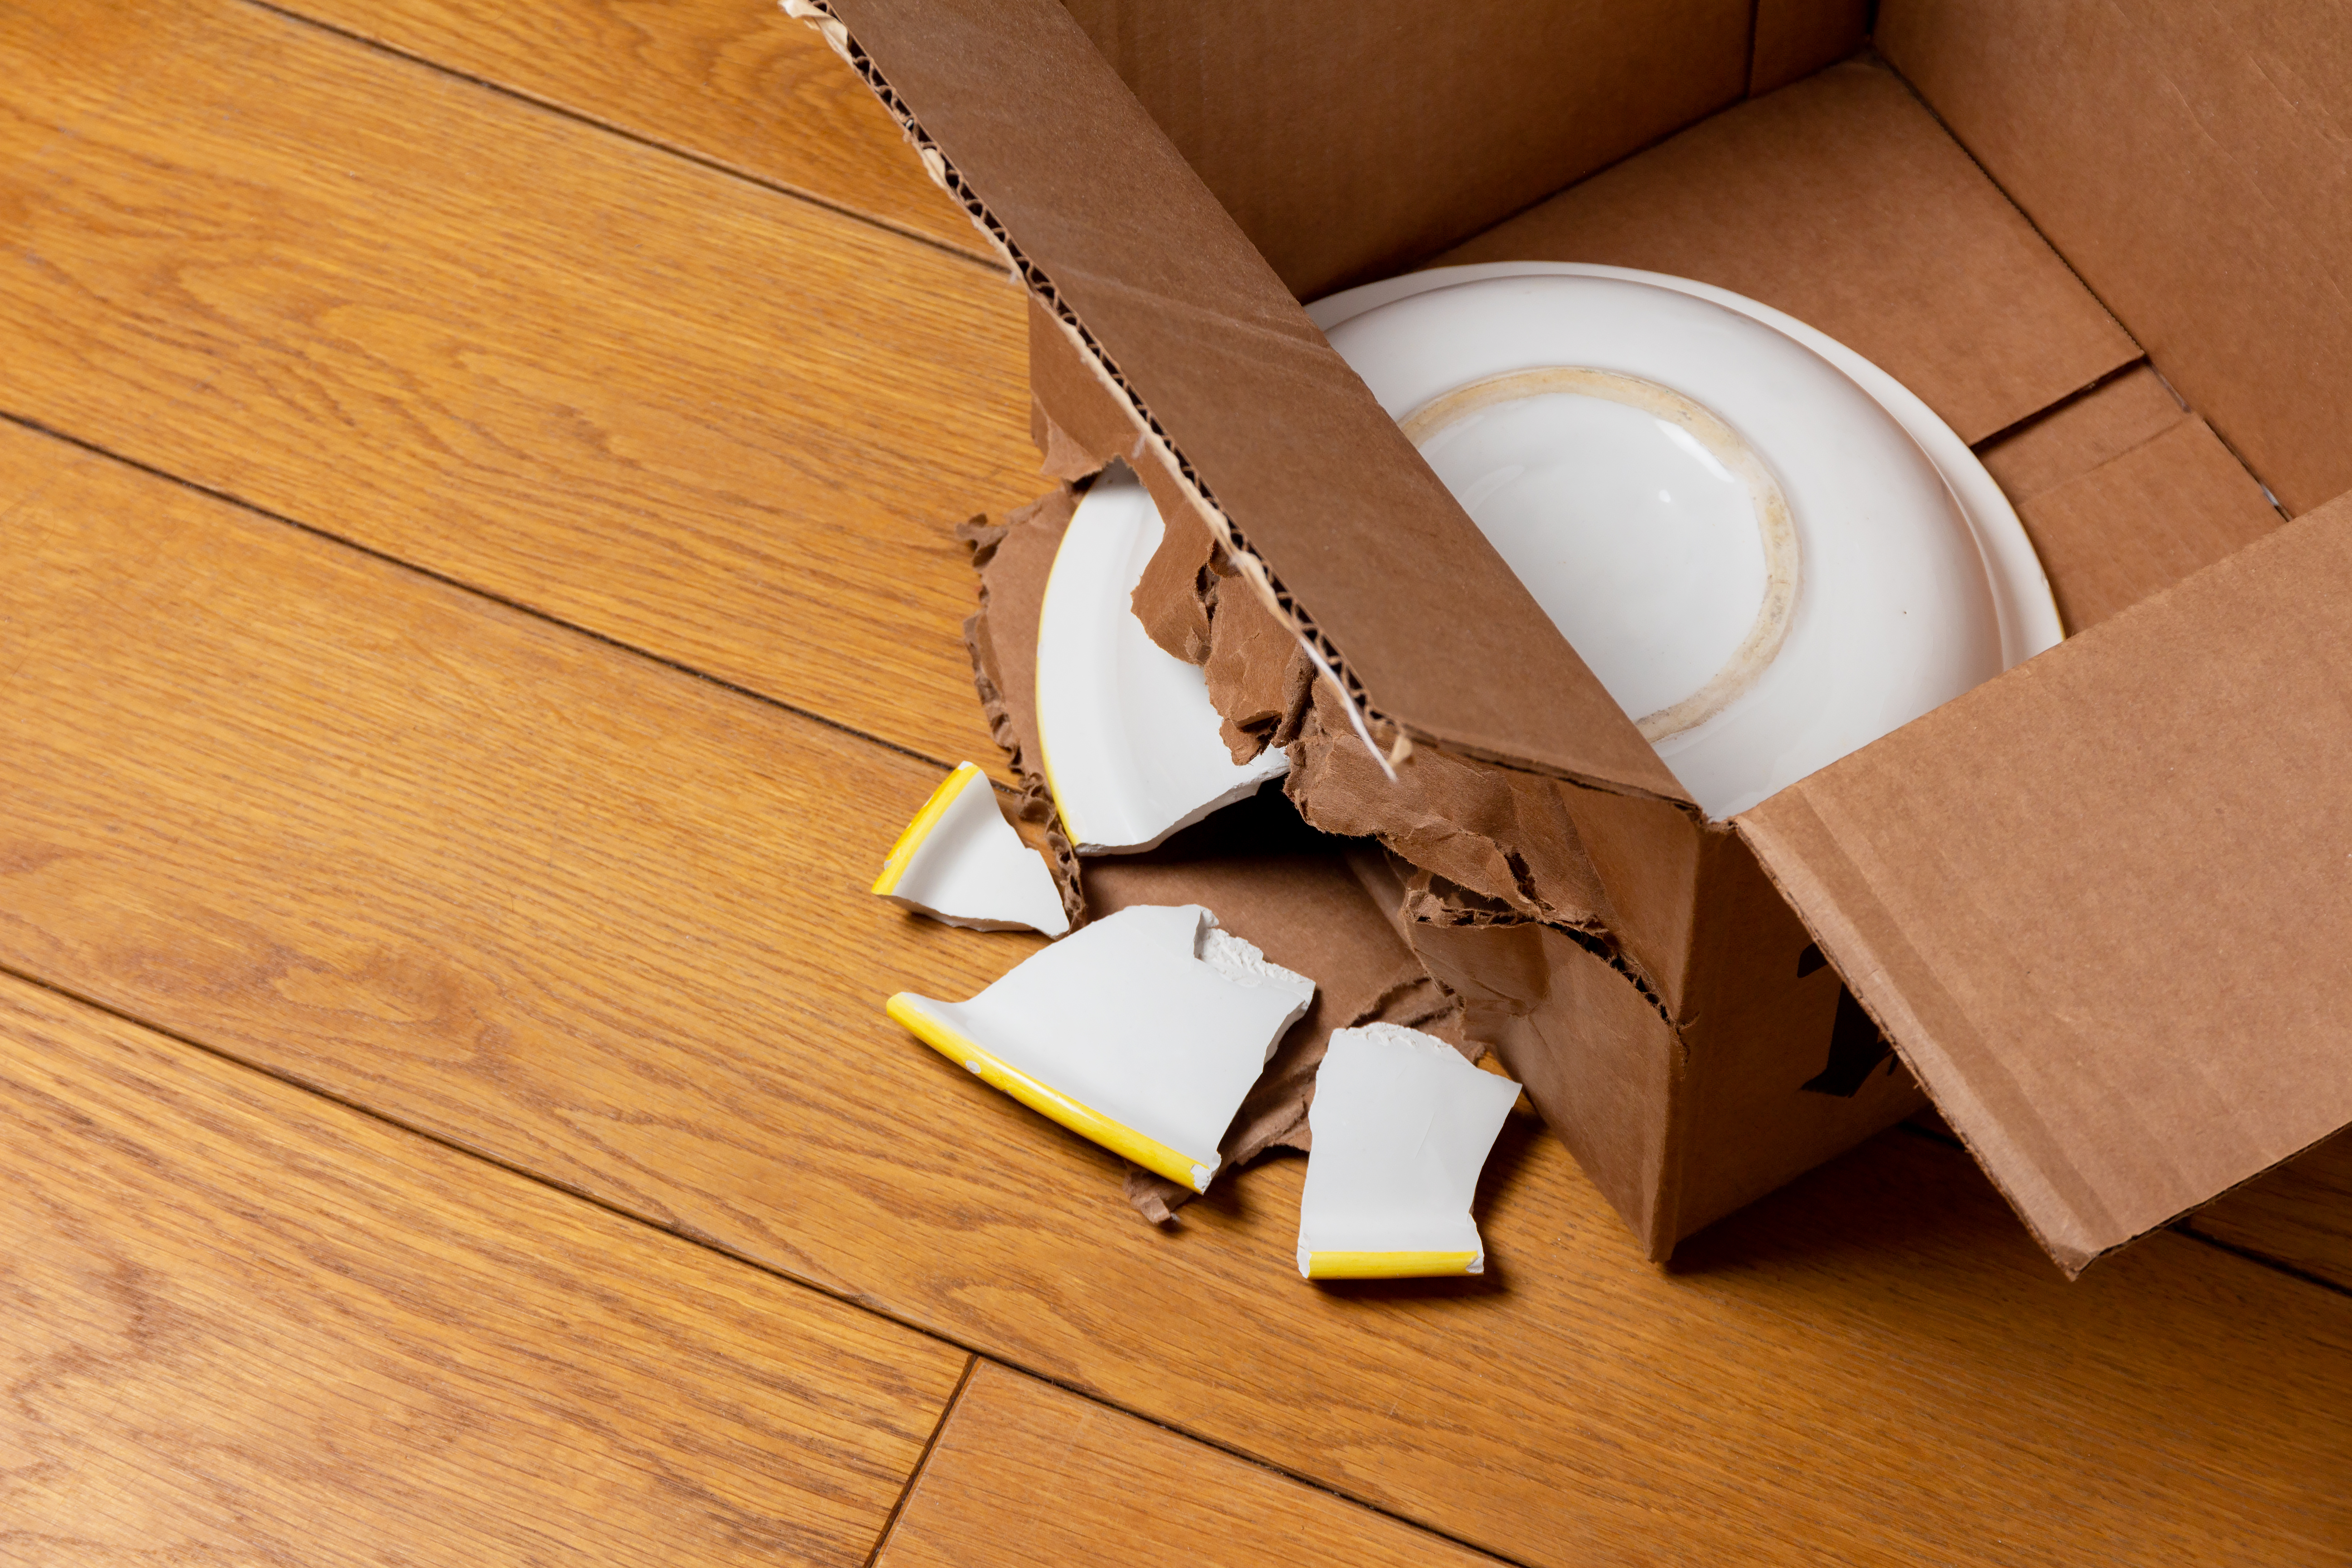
(1402, 1127)
(1130, 741)
(1141, 1031)
(960, 861)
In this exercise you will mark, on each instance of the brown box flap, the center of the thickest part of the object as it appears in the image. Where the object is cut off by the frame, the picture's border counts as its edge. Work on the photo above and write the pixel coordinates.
(1794, 38)
(2103, 905)
(2125, 492)
(1350, 139)
(1019, 115)
(2190, 161)
(1841, 200)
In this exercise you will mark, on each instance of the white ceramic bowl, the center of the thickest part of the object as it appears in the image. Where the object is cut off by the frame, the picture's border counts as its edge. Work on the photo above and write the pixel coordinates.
(1751, 551)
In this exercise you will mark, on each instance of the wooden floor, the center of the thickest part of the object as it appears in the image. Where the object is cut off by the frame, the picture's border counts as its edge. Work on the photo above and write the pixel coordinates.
(479, 596)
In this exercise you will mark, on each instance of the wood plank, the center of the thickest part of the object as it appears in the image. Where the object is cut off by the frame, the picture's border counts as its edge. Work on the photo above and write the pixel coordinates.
(2300, 1214)
(734, 81)
(246, 1324)
(607, 921)
(1024, 1473)
(684, 410)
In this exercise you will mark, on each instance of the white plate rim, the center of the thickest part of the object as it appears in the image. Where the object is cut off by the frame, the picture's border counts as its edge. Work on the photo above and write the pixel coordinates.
(2027, 611)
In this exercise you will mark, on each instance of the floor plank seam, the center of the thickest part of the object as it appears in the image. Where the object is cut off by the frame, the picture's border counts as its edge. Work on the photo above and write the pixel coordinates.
(2189, 1228)
(710, 1244)
(1255, 1462)
(475, 591)
(2181, 1227)
(638, 138)
(907, 1492)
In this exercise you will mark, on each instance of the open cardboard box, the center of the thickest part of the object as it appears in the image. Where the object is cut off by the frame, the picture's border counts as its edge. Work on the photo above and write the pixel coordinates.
(2101, 906)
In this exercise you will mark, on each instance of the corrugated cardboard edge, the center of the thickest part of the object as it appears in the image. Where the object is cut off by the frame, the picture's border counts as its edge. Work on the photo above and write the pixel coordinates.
(1791, 866)
(1154, 455)
(2023, 1151)
(1858, 964)
(1149, 451)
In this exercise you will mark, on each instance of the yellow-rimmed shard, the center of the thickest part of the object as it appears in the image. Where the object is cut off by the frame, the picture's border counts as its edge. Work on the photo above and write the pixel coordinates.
(1389, 1264)
(1043, 1098)
(961, 862)
(1401, 1126)
(1141, 1031)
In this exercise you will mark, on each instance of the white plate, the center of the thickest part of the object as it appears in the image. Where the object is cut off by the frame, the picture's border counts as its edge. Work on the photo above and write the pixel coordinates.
(1749, 454)
(1132, 745)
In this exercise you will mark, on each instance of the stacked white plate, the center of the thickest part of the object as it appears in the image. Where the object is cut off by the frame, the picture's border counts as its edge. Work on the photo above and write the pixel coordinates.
(1765, 548)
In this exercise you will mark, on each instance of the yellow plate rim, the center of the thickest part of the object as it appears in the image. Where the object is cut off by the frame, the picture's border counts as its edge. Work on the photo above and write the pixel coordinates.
(1046, 1101)
(902, 852)
(1387, 1265)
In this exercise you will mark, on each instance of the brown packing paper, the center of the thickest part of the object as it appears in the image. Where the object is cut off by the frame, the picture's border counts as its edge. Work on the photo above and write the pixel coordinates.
(2188, 160)
(2117, 960)
(1842, 202)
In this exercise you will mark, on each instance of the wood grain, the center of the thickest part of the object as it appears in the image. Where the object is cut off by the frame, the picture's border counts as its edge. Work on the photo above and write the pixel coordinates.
(1024, 1473)
(734, 81)
(606, 921)
(704, 418)
(244, 1325)
(2300, 1214)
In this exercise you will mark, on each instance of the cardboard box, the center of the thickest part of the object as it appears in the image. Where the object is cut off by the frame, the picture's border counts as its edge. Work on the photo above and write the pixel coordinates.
(2101, 906)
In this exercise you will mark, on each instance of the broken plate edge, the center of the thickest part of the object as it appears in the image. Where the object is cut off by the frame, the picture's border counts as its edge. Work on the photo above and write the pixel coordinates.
(906, 1009)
